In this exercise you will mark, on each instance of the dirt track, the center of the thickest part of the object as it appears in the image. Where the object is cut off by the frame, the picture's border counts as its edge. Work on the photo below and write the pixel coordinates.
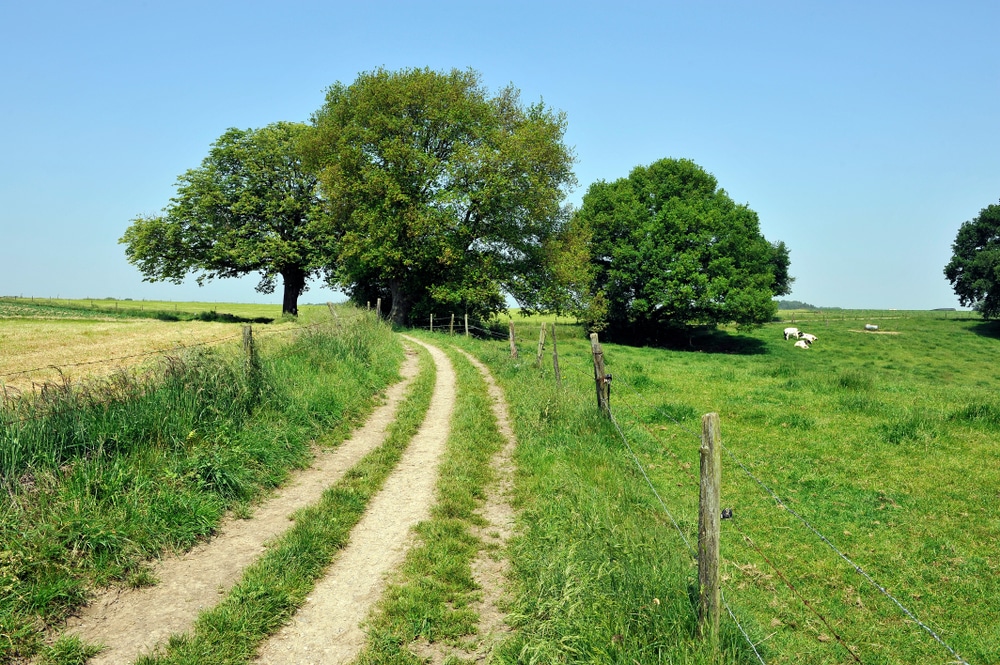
(326, 629)
(131, 622)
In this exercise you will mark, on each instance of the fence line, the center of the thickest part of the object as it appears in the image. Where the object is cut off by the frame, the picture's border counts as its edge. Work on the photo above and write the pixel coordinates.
(816, 532)
(687, 543)
(805, 522)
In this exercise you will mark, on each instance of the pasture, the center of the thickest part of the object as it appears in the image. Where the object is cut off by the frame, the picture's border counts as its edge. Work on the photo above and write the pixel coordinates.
(883, 444)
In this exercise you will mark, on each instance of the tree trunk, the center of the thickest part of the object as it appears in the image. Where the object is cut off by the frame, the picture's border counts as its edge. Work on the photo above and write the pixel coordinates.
(400, 303)
(295, 283)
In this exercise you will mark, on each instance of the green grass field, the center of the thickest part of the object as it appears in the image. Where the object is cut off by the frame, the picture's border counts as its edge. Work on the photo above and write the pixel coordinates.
(885, 443)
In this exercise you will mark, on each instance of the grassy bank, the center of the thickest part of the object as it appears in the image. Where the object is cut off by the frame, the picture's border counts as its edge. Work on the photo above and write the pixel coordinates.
(99, 479)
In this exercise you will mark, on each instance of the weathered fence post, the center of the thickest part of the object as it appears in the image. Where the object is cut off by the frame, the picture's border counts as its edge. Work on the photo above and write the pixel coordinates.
(555, 357)
(432, 322)
(250, 361)
(451, 326)
(466, 324)
(600, 378)
(541, 345)
(248, 342)
(709, 516)
(513, 347)
(378, 308)
(368, 305)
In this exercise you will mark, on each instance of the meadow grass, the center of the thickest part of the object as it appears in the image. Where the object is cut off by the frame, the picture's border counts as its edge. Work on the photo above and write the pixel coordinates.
(98, 478)
(884, 443)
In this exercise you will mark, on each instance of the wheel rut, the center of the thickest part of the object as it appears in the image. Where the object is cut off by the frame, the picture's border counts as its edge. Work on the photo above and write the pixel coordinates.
(326, 629)
(131, 622)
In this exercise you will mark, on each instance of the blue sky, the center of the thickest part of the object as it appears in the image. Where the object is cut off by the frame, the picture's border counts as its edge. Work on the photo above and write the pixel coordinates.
(862, 133)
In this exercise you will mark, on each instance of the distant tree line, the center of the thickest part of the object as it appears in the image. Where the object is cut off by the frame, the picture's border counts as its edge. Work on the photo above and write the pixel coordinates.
(795, 304)
(427, 190)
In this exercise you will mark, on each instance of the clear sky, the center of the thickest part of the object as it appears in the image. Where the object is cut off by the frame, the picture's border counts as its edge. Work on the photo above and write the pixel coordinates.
(862, 133)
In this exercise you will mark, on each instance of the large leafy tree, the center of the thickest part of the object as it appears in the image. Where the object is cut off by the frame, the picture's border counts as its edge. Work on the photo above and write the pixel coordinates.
(251, 207)
(670, 248)
(440, 194)
(974, 269)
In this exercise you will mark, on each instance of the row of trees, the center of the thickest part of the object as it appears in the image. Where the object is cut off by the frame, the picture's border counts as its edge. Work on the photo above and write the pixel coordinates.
(426, 190)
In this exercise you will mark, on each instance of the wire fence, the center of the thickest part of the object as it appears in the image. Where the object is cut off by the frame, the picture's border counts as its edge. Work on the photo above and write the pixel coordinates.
(767, 492)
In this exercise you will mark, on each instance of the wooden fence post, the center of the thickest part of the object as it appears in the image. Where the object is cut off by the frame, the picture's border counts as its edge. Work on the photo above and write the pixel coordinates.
(709, 516)
(555, 357)
(466, 324)
(432, 322)
(513, 347)
(600, 378)
(451, 326)
(378, 308)
(541, 345)
(248, 342)
(250, 362)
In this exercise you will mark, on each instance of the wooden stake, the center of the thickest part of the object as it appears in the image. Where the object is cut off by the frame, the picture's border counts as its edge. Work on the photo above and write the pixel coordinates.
(513, 348)
(555, 357)
(432, 323)
(541, 345)
(709, 516)
(378, 308)
(466, 324)
(599, 376)
(451, 326)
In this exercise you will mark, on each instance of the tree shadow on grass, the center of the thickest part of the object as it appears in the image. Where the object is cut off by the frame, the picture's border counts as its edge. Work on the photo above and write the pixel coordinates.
(987, 329)
(702, 339)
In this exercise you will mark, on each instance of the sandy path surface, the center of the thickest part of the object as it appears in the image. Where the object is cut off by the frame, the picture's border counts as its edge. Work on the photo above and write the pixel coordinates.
(132, 622)
(326, 629)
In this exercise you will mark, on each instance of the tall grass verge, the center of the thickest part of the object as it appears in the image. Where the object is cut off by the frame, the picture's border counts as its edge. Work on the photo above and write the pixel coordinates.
(98, 478)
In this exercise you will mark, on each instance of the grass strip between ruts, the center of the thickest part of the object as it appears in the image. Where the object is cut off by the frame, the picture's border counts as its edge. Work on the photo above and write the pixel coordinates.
(431, 598)
(276, 585)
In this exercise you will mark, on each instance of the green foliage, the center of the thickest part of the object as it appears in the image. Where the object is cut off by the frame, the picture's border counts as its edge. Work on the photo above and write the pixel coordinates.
(670, 248)
(974, 269)
(249, 208)
(440, 195)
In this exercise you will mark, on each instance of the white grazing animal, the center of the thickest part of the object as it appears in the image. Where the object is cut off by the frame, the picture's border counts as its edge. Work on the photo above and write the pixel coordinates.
(791, 332)
(807, 337)
(802, 344)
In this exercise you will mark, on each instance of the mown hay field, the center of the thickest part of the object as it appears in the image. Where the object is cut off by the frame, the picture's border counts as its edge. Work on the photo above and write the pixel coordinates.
(57, 340)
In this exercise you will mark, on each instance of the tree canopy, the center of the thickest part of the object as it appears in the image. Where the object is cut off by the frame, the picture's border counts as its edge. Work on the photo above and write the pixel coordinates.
(670, 248)
(438, 193)
(974, 269)
(251, 207)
